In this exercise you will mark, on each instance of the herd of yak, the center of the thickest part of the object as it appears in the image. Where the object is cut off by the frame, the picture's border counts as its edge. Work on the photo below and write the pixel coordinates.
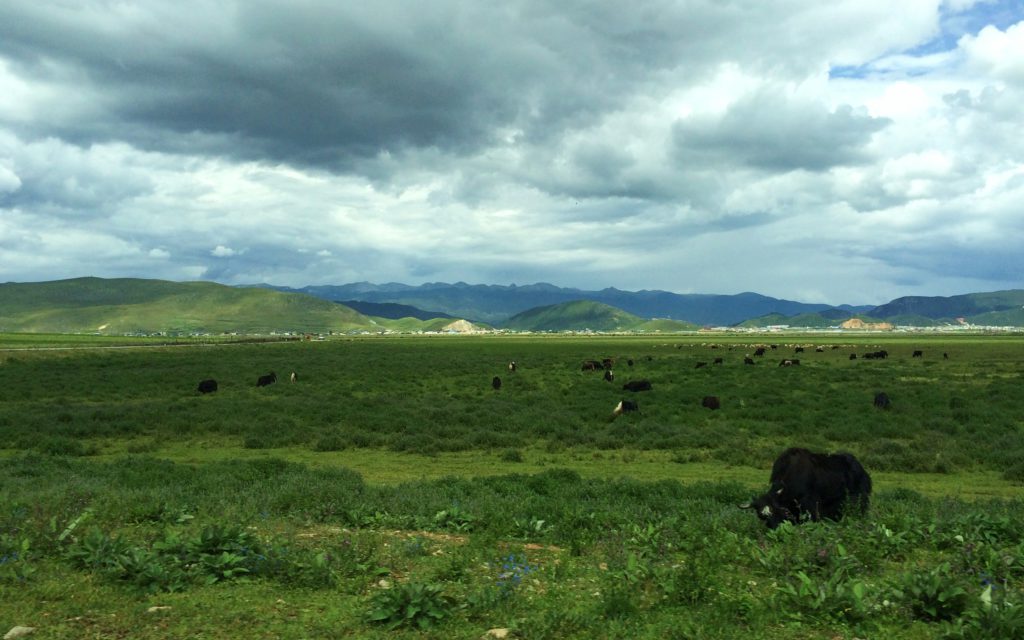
(803, 484)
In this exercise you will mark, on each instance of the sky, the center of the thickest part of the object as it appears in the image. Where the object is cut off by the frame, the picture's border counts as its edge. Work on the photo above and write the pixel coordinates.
(850, 151)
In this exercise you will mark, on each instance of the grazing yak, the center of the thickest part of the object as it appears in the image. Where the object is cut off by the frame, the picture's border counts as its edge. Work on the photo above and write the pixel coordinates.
(812, 485)
(293, 377)
(701, 364)
(637, 385)
(207, 386)
(270, 378)
(882, 400)
(512, 367)
(717, 361)
(711, 402)
(590, 365)
(496, 383)
(759, 351)
(609, 375)
(917, 354)
(624, 406)
(789, 362)
(748, 360)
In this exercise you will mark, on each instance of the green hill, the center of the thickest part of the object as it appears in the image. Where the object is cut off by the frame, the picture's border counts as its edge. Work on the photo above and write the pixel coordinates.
(804, 320)
(1008, 318)
(583, 315)
(664, 325)
(414, 325)
(961, 306)
(913, 320)
(129, 305)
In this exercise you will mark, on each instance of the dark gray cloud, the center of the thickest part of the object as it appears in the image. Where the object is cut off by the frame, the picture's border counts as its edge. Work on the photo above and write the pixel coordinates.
(771, 132)
(326, 84)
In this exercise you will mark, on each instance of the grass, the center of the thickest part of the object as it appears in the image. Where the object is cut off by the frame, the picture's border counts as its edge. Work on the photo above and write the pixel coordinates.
(391, 480)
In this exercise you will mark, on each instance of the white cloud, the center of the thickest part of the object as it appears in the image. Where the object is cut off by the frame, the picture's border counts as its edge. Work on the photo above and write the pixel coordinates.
(997, 53)
(9, 181)
(220, 251)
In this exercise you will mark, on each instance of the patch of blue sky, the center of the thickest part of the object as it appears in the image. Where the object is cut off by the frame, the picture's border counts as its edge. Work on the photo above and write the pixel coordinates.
(1001, 14)
(851, 71)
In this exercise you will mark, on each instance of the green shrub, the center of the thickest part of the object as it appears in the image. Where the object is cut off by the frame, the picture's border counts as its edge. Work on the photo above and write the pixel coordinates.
(64, 446)
(991, 618)
(835, 597)
(512, 455)
(331, 442)
(933, 594)
(454, 518)
(414, 604)
(15, 553)
(1015, 473)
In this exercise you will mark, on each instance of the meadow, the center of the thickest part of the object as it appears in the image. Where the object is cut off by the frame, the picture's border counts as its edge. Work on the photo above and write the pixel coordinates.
(392, 492)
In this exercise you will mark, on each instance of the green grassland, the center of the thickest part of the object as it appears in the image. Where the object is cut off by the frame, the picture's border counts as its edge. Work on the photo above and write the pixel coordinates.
(392, 492)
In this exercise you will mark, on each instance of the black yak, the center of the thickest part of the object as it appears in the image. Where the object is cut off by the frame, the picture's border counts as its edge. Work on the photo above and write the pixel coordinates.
(637, 385)
(812, 485)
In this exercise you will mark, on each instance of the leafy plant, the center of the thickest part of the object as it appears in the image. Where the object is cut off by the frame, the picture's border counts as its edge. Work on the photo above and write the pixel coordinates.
(933, 594)
(14, 556)
(530, 529)
(513, 569)
(96, 550)
(835, 597)
(991, 618)
(148, 571)
(454, 519)
(413, 604)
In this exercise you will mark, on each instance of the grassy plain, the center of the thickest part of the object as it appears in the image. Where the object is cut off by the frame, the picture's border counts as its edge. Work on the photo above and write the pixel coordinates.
(391, 490)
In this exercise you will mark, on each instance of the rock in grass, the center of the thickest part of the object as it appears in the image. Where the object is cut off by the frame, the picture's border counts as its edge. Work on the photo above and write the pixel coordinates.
(496, 633)
(18, 632)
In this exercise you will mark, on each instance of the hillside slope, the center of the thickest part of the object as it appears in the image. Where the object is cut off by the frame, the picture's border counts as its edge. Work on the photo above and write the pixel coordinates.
(130, 305)
(951, 307)
(582, 315)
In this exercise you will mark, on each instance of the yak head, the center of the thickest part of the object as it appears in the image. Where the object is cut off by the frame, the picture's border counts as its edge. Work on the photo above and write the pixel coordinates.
(771, 508)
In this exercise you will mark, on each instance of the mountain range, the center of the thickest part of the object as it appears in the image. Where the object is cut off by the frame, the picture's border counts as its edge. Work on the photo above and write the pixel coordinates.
(497, 304)
(129, 305)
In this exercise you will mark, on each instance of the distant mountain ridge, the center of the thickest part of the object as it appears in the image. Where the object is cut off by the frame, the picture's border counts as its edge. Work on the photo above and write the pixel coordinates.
(495, 304)
(127, 305)
(961, 306)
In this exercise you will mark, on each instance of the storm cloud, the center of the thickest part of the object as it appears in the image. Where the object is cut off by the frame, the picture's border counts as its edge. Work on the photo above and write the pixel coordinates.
(835, 152)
